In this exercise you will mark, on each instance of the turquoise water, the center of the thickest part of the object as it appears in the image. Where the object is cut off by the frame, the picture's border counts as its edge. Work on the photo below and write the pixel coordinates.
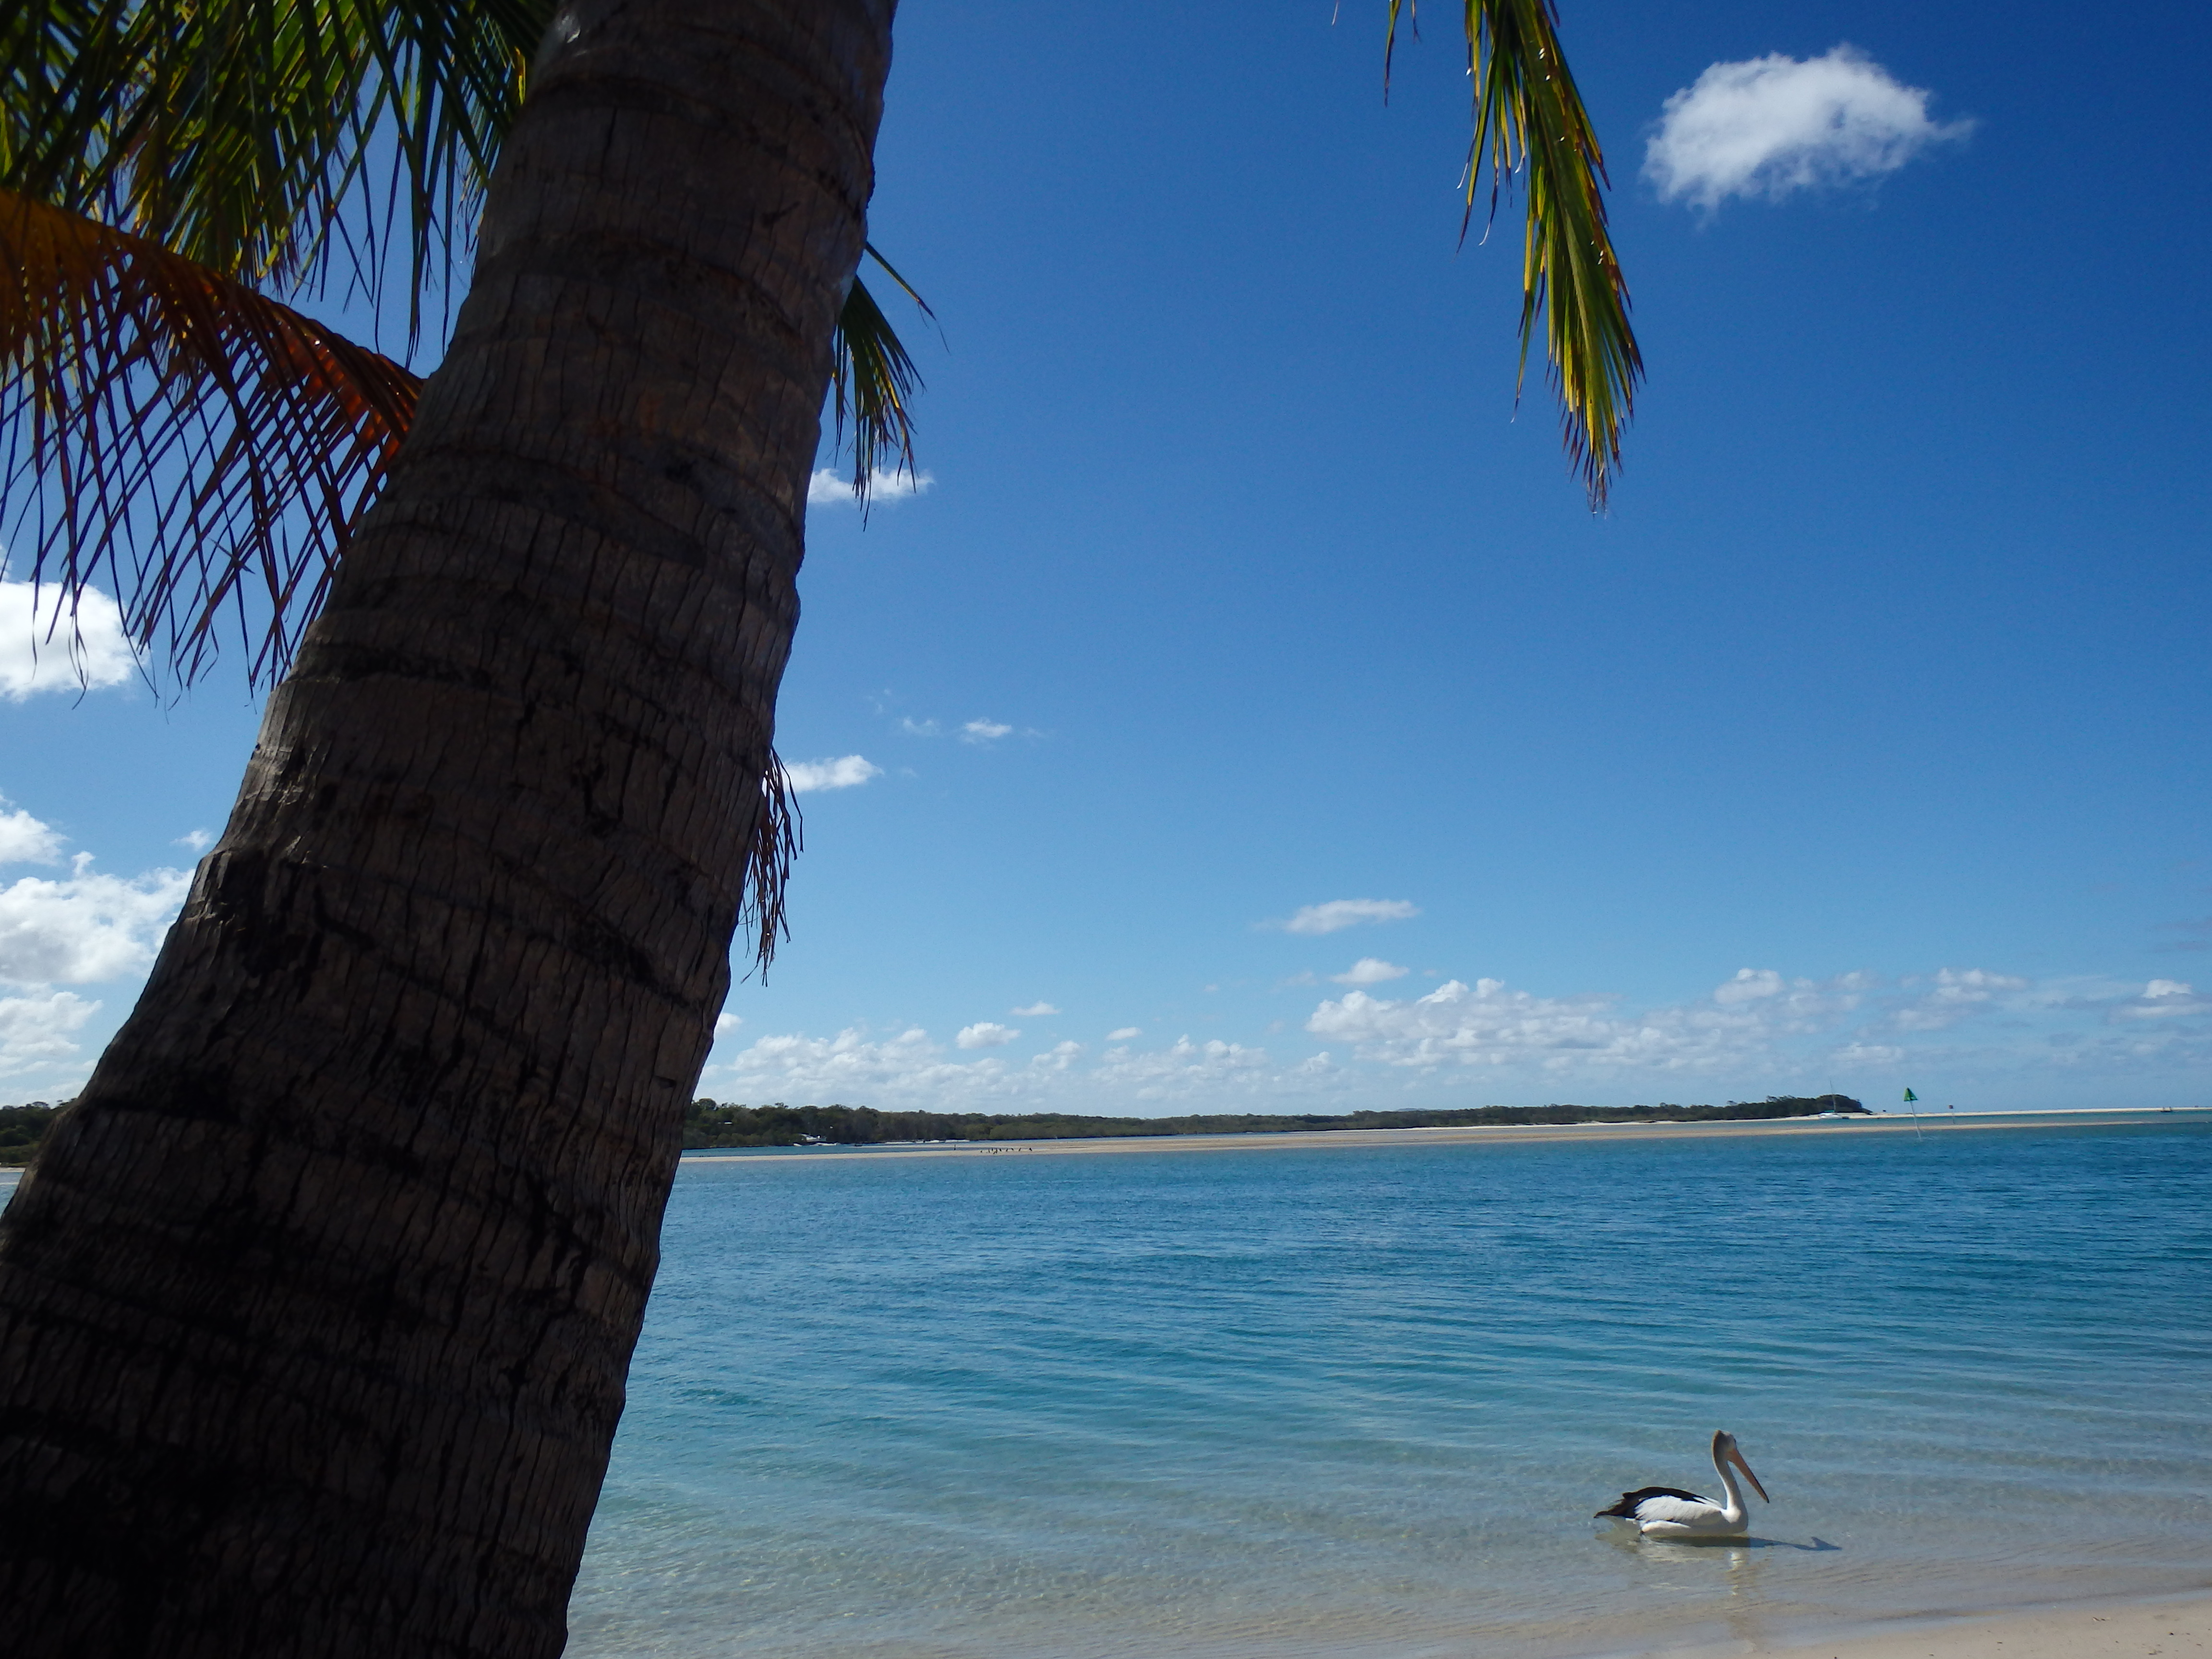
(1362, 1401)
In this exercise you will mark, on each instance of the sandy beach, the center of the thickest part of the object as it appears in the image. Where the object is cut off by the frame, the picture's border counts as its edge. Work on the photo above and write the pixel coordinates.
(1459, 1134)
(2149, 1630)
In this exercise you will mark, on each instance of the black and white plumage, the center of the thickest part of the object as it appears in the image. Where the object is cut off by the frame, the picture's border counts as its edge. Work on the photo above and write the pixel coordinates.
(1670, 1512)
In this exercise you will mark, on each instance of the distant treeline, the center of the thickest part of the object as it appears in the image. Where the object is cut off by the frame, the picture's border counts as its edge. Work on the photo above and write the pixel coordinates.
(709, 1123)
(21, 1129)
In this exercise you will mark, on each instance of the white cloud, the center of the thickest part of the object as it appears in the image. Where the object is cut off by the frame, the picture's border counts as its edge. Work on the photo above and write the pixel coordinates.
(39, 653)
(914, 728)
(1771, 127)
(826, 488)
(1035, 1010)
(1489, 1024)
(846, 772)
(1749, 985)
(725, 1024)
(984, 732)
(910, 1071)
(86, 927)
(24, 839)
(906, 1070)
(2165, 999)
(198, 840)
(1369, 970)
(1339, 913)
(38, 1032)
(1759, 1031)
(1188, 1069)
(1952, 995)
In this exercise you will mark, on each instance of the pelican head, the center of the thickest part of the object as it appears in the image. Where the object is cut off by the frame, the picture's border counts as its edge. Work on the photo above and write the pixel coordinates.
(1725, 1452)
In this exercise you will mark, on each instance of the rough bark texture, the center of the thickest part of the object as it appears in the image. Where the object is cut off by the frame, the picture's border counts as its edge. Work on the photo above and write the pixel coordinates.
(315, 1312)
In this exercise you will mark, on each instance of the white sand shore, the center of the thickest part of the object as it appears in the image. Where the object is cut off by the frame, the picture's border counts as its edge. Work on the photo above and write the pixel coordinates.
(1463, 1134)
(2146, 1630)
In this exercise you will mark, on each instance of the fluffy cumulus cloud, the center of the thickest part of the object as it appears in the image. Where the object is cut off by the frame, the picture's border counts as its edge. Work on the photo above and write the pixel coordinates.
(81, 929)
(2162, 998)
(853, 1068)
(38, 1035)
(910, 1071)
(1951, 995)
(1489, 1023)
(1774, 125)
(984, 731)
(826, 488)
(24, 839)
(1058, 1057)
(845, 772)
(1758, 1032)
(40, 652)
(86, 927)
(1337, 914)
(1370, 970)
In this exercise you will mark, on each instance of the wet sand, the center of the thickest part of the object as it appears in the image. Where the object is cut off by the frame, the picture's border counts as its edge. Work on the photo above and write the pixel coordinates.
(2148, 1630)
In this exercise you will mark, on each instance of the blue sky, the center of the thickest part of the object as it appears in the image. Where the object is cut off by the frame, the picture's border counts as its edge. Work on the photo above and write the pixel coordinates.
(1862, 742)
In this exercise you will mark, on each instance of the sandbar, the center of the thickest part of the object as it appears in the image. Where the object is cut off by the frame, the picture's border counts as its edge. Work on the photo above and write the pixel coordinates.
(1461, 1134)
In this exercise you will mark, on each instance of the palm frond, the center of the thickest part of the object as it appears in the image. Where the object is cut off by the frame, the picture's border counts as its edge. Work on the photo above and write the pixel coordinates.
(236, 132)
(1529, 119)
(779, 835)
(209, 447)
(873, 381)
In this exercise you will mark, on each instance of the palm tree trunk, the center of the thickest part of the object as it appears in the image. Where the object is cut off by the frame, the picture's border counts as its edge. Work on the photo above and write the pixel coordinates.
(315, 1311)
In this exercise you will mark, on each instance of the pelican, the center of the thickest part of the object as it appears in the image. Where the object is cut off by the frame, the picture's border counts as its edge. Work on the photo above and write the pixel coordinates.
(1670, 1512)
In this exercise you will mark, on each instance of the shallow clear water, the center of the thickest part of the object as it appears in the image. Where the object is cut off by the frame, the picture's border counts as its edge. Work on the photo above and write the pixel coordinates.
(1362, 1400)
(1357, 1401)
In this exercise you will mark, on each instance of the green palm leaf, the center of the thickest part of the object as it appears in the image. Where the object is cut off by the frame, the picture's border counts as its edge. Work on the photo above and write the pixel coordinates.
(237, 133)
(224, 141)
(872, 382)
(1529, 119)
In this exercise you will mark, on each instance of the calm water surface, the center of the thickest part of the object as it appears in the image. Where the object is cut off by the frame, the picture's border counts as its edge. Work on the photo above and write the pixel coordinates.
(1362, 1401)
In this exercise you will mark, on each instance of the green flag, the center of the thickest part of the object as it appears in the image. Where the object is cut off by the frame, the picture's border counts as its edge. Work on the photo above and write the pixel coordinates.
(1909, 1095)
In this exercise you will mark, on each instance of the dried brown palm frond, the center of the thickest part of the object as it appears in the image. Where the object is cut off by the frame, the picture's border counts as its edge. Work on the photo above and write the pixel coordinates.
(1529, 119)
(206, 448)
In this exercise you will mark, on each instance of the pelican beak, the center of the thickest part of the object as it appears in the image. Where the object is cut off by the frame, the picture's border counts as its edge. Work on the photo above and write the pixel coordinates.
(1735, 1457)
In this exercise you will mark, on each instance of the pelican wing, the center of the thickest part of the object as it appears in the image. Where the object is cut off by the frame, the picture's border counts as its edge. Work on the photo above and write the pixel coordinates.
(1672, 1502)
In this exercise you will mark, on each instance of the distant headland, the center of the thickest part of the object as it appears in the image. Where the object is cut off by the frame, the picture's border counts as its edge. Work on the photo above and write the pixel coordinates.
(711, 1124)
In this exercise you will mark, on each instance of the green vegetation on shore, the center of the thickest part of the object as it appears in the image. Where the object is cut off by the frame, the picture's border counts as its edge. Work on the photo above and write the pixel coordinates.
(709, 1123)
(21, 1129)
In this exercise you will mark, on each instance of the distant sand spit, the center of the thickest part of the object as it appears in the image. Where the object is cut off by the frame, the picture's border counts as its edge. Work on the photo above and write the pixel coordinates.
(1454, 1135)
